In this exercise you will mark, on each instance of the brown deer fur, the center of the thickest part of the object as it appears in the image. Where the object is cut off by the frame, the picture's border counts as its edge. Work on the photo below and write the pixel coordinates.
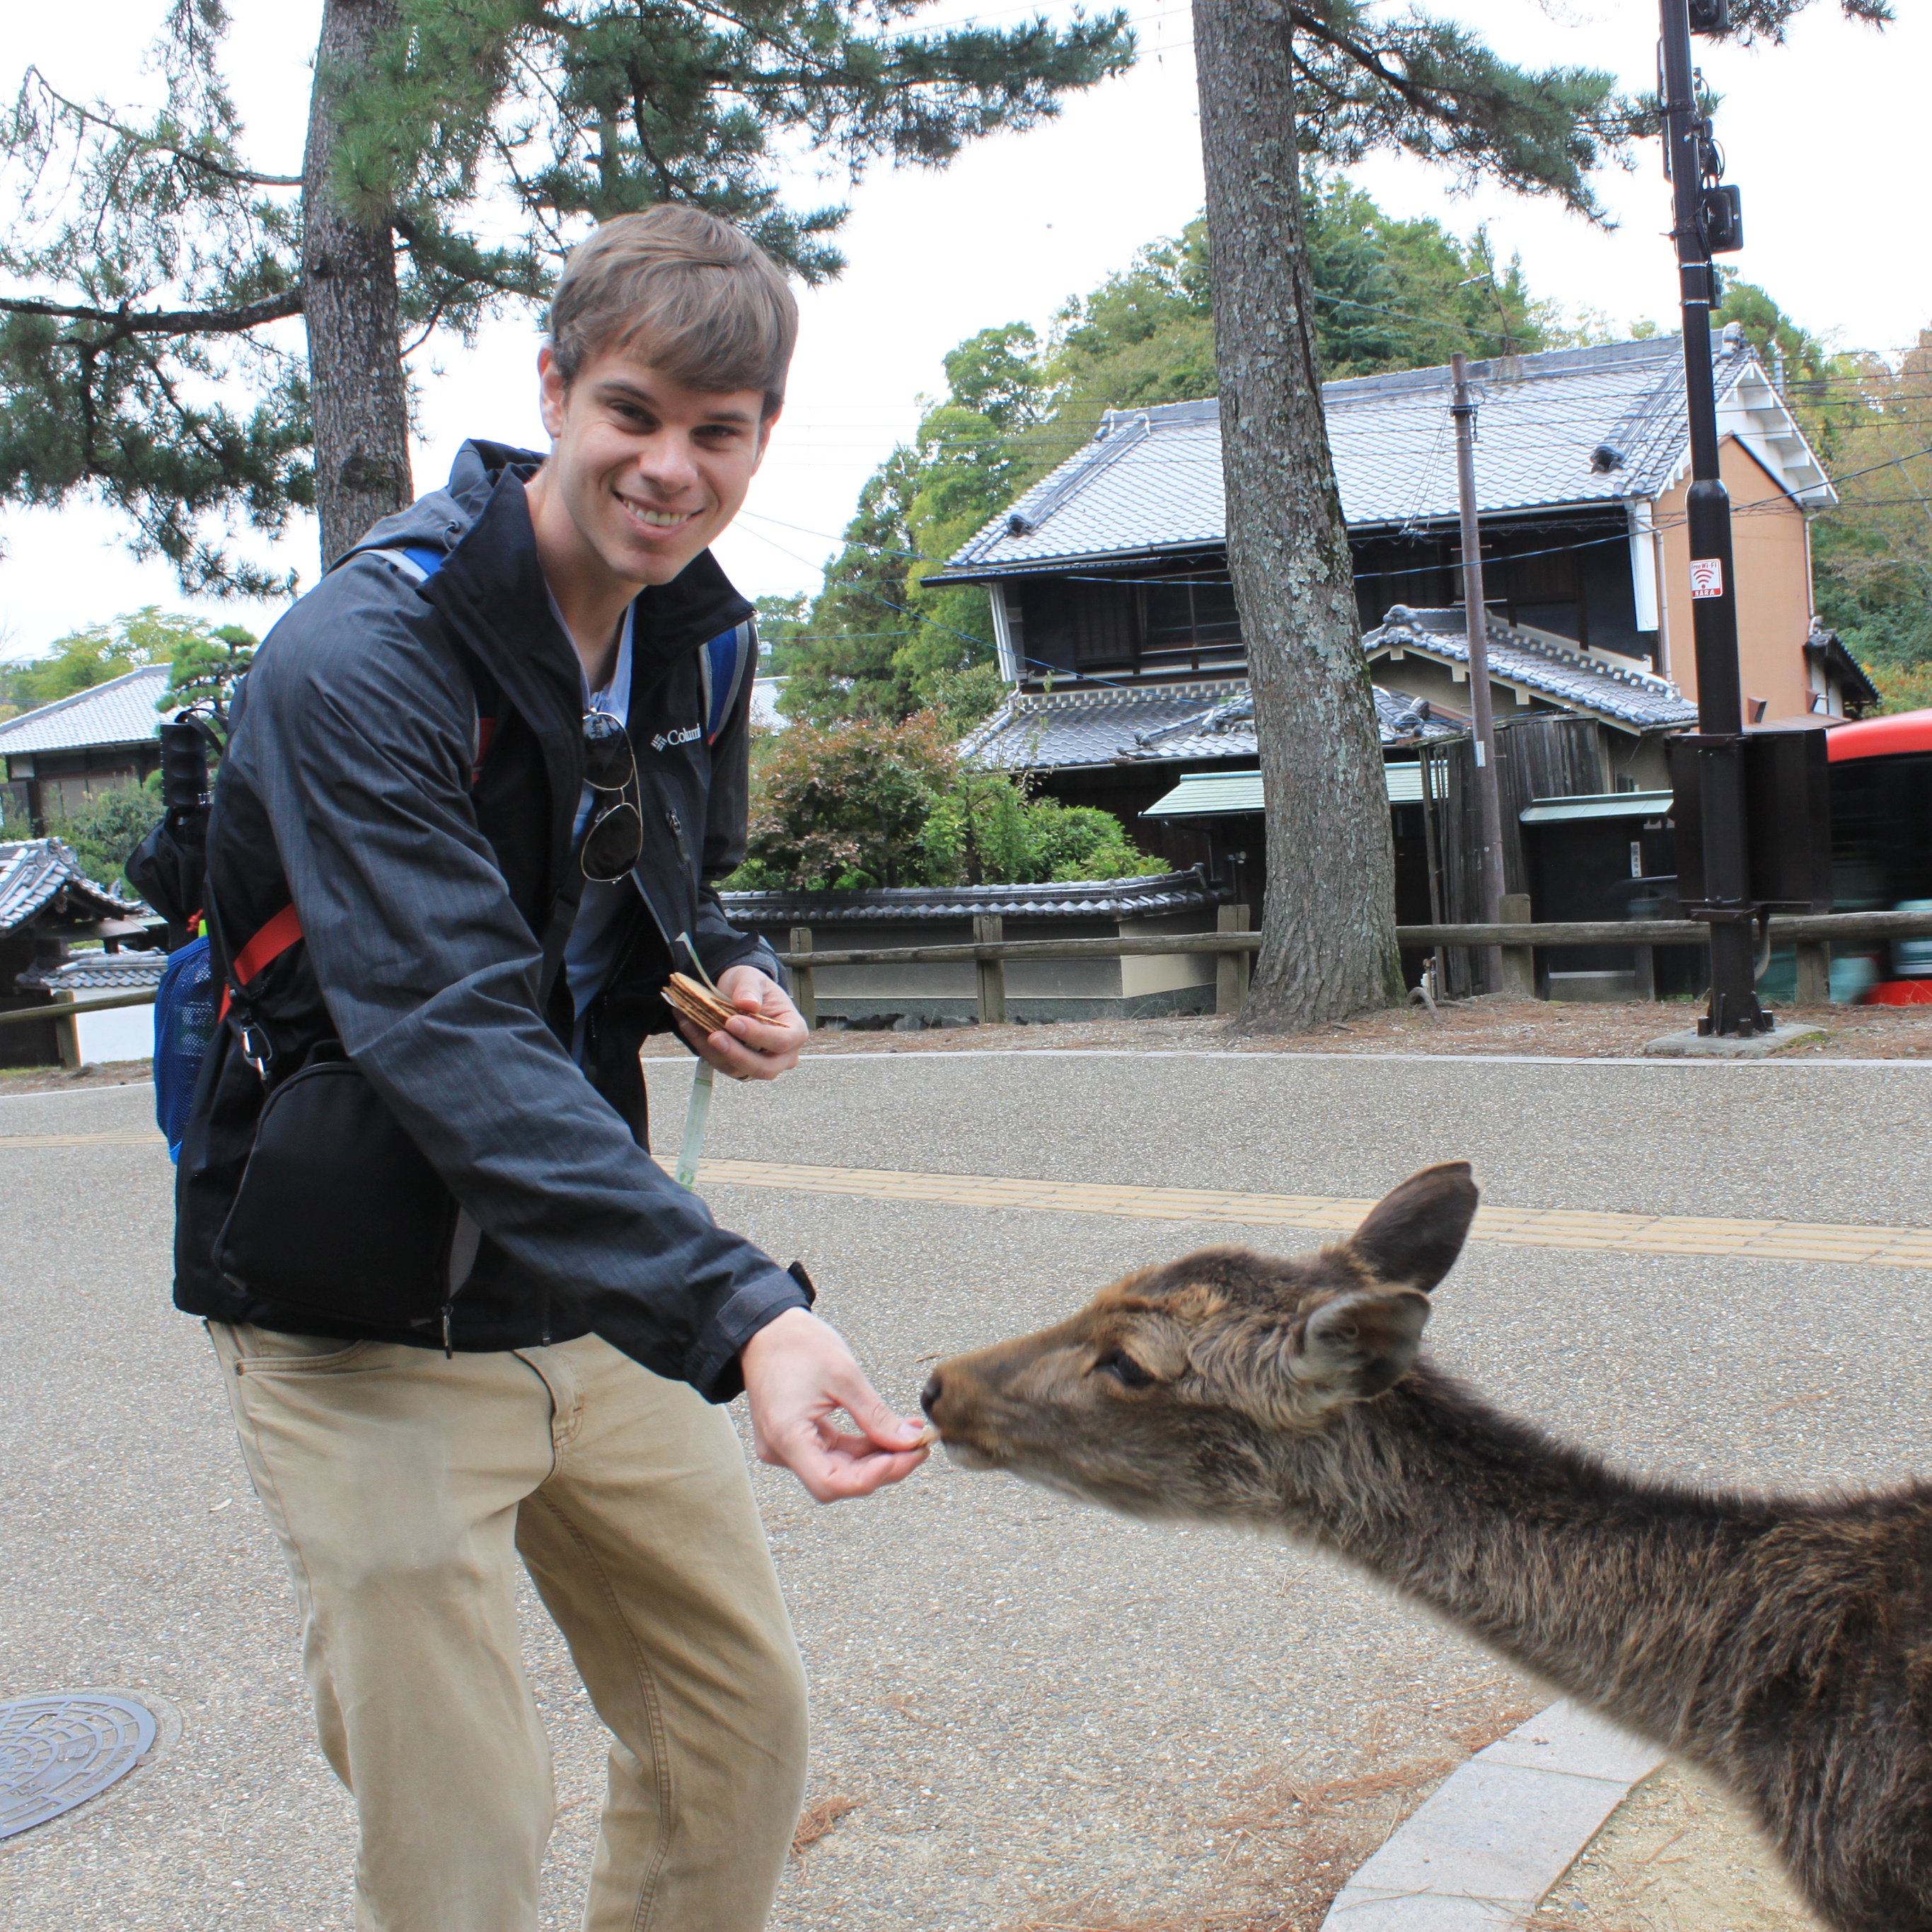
(1783, 1643)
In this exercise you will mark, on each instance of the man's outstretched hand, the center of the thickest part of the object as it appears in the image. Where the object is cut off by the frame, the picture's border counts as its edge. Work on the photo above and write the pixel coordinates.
(761, 1038)
(799, 1374)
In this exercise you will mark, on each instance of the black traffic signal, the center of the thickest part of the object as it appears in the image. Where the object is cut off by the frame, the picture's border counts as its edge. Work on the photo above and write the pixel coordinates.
(1720, 212)
(1710, 16)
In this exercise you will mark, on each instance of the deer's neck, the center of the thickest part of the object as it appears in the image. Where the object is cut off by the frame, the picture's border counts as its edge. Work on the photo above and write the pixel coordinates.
(1628, 1594)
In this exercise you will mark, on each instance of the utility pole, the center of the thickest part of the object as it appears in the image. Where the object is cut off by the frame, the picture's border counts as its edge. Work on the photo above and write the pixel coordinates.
(1488, 810)
(1707, 221)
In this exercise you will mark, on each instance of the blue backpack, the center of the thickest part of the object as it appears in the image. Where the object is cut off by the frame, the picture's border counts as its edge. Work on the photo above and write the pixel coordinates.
(184, 1023)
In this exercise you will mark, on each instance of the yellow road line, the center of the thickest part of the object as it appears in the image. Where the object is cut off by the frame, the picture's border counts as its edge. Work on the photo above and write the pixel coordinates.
(1320, 1213)
(1507, 1227)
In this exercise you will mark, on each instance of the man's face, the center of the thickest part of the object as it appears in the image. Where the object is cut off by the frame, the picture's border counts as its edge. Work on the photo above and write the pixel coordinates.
(647, 470)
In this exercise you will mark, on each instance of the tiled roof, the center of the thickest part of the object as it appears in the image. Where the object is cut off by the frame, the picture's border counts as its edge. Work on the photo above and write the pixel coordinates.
(1572, 427)
(1617, 689)
(101, 973)
(38, 874)
(1082, 726)
(121, 712)
(1092, 898)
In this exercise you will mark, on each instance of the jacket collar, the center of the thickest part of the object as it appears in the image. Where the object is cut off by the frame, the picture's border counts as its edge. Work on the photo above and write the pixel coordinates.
(492, 588)
(492, 591)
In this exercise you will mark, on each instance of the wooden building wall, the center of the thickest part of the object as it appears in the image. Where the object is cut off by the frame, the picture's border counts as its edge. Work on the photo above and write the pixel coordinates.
(1771, 547)
(1549, 756)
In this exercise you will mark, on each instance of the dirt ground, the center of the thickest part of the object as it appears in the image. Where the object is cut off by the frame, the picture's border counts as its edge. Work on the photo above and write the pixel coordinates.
(1287, 1842)
(1611, 1030)
(56, 1080)
(1677, 1856)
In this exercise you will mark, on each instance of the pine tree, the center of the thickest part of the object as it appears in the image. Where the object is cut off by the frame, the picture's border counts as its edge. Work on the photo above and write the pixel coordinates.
(207, 666)
(456, 148)
(1281, 80)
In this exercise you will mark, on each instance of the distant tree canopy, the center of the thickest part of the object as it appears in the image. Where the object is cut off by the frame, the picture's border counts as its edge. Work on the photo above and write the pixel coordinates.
(208, 666)
(86, 658)
(208, 662)
(1874, 551)
(876, 644)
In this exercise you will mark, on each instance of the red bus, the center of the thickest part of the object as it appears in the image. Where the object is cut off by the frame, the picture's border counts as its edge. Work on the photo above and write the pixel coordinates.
(1882, 851)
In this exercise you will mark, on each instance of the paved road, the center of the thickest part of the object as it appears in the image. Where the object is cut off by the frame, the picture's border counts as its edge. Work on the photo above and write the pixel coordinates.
(1034, 1705)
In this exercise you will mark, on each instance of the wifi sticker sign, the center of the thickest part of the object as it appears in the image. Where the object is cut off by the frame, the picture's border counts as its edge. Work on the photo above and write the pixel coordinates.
(1707, 576)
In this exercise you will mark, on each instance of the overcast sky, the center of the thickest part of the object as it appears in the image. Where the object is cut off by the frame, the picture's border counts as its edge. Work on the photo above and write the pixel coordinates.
(1824, 135)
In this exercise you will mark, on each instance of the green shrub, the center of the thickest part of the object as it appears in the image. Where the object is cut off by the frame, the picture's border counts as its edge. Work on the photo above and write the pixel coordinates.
(863, 802)
(104, 831)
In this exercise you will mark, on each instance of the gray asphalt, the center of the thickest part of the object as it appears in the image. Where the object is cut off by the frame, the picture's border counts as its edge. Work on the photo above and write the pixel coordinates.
(1031, 1703)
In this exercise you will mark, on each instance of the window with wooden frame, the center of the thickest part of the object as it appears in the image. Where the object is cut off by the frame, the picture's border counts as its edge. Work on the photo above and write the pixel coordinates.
(1191, 624)
(1106, 626)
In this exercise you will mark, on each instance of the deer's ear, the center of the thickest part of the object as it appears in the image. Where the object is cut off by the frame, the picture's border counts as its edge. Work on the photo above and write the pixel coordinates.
(1415, 1233)
(1358, 1345)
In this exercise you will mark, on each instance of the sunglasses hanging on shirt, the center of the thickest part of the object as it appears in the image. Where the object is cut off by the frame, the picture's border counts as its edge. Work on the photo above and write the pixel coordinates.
(615, 836)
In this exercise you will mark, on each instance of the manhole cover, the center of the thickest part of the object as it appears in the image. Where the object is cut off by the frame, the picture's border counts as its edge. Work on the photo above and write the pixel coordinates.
(57, 1752)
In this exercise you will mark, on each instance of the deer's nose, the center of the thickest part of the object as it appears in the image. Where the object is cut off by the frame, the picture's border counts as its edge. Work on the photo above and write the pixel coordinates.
(929, 1395)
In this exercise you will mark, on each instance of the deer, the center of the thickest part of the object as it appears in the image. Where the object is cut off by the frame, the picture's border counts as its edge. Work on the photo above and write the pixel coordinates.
(1783, 1643)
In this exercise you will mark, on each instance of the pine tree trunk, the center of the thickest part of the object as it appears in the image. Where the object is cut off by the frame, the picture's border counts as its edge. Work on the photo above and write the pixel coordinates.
(1328, 946)
(348, 295)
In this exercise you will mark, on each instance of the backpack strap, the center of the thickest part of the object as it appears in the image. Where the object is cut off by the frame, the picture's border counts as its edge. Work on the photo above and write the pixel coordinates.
(261, 952)
(417, 563)
(723, 664)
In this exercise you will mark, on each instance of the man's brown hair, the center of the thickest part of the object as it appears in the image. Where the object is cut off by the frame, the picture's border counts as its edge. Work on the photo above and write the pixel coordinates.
(707, 305)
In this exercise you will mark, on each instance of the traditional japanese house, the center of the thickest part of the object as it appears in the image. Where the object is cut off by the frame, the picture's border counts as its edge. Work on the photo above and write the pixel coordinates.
(1117, 630)
(54, 758)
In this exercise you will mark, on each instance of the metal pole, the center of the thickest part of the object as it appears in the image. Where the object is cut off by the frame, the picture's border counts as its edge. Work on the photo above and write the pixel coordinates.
(1689, 156)
(1489, 809)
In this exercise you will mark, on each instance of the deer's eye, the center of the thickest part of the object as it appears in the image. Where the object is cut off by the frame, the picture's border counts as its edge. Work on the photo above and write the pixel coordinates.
(1125, 1370)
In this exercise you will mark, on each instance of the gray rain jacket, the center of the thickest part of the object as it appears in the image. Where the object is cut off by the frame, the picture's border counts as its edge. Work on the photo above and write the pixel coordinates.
(435, 894)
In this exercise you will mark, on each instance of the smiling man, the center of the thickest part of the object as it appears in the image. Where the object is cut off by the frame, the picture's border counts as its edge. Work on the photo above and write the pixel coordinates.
(478, 788)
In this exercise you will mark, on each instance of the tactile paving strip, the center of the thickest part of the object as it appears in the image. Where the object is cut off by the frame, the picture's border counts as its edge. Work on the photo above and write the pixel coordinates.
(1322, 1214)
(1509, 1227)
(59, 1751)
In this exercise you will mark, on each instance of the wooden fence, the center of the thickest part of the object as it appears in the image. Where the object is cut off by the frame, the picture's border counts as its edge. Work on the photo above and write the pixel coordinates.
(1811, 934)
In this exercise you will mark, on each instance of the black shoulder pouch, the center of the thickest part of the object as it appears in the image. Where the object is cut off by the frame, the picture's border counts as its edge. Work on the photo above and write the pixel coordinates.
(338, 1212)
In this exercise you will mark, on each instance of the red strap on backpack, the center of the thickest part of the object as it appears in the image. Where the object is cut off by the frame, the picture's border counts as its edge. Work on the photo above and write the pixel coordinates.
(261, 952)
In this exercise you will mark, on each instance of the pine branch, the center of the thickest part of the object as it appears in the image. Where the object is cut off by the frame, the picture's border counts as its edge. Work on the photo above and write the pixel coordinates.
(1424, 100)
(241, 177)
(121, 324)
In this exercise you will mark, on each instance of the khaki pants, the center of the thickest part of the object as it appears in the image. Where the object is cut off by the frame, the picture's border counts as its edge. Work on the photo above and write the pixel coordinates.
(403, 1485)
